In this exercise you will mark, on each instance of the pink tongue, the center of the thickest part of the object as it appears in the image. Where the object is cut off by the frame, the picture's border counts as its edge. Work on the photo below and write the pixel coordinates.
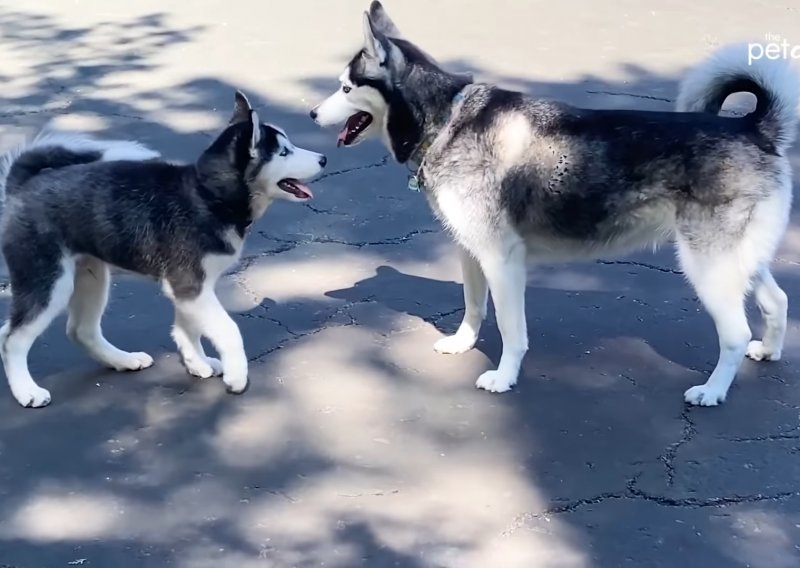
(342, 136)
(304, 188)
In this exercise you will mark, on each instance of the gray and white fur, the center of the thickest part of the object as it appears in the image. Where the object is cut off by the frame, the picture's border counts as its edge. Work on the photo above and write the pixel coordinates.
(518, 179)
(74, 207)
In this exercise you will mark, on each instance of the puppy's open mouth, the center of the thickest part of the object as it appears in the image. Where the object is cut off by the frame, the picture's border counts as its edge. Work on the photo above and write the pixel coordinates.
(293, 186)
(354, 127)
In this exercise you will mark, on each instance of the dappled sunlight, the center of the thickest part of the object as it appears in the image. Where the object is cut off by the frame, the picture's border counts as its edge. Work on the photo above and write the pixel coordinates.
(357, 444)
(566, 280)
(259, 432)
(328, 267)
(313, 270)
(763, 539)
(53, 516)
(80, 513)
(431, 494)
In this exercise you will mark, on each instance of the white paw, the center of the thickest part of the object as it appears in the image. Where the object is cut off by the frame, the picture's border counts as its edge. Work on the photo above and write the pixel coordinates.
(216, 366)
(703, 395)
(757, 352)
(236, 385)
(32, 397)
(454, 344)
(495, 381)
(204, 368)
(132, 362)
(235, 382)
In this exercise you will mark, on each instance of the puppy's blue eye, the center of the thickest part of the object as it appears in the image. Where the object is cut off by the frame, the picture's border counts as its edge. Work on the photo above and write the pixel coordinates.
(346, 89)
(284, 152)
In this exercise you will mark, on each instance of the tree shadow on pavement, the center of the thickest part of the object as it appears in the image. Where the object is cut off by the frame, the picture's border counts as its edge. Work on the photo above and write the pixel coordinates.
(356, 444)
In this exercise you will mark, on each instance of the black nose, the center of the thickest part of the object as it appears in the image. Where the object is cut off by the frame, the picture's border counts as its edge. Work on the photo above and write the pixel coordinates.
(313, 114)
(323, 161)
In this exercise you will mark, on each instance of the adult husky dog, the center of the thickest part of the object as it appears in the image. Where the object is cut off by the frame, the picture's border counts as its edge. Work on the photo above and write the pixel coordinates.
(515, 178)
(75, 206)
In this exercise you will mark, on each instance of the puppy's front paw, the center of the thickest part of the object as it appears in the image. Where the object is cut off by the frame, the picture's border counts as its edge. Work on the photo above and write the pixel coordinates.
(758, 352)
(203, 367)
(703, 395)
(132, 362)
(237, 384)
(496, 381)
(234, 374)
(32, 397)
(455, 344)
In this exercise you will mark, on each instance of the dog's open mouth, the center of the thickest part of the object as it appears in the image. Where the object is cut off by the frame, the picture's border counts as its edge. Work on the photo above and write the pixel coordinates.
(353, 128)
(293, 186)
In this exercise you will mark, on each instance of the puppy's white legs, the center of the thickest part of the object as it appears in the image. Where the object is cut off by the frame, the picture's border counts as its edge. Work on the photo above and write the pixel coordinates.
(475, 296)
(32, 311)
(773, 305)
(721, 282)
(187, 338)
(86, 307)
(506, 275)
(206, 315)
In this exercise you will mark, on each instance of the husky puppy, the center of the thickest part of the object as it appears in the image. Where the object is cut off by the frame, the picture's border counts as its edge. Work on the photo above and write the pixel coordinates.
(518, 179)
(75, 206)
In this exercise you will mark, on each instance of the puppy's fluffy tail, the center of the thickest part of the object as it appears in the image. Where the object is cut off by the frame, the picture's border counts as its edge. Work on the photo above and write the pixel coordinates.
(52, 150)
(732, 69)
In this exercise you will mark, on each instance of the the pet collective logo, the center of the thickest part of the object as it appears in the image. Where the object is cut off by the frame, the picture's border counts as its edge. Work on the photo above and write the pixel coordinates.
(774, 47)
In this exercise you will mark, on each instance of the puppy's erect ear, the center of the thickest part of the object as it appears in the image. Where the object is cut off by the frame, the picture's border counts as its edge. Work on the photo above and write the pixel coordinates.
(255, 133)
(381, 20)
(241, 108)
(375, 43)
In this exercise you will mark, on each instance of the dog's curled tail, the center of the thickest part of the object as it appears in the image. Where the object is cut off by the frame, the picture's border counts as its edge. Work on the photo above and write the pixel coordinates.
(52, 150)
(735, 68)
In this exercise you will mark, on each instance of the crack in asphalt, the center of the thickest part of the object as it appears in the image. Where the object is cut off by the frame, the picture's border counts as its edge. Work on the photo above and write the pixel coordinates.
(380, 163)
(765, 438)
(323, 325)
(324, 211)
(668, 457)
(633, 493)
(641, 265)
(633, 95)
(435, 319)
(265, 317)
(357, 244)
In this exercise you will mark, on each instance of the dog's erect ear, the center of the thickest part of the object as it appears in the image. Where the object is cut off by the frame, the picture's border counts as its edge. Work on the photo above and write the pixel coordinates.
(381, 20)
(375, 43)
(241, 108)
(255, 133)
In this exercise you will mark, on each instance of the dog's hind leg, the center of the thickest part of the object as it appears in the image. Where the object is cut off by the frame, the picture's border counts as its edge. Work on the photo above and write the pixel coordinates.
(41, 287)
(195, 360)
(773, 305)
(505, 271)
(86, 307)
(475, 296)
(721, 279)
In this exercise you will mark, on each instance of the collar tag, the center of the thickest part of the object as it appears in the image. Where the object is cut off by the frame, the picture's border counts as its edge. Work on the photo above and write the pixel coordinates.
(414, 183)
(414, 180)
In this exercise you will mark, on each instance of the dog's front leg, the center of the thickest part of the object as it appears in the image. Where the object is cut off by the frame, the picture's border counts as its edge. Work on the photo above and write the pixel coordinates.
(187, 338)
(506, 274)
(205, 314)
(475, 296)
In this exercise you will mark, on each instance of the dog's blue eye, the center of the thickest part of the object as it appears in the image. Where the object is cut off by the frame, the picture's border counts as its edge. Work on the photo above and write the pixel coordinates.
(284, 152)
(346, 89)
